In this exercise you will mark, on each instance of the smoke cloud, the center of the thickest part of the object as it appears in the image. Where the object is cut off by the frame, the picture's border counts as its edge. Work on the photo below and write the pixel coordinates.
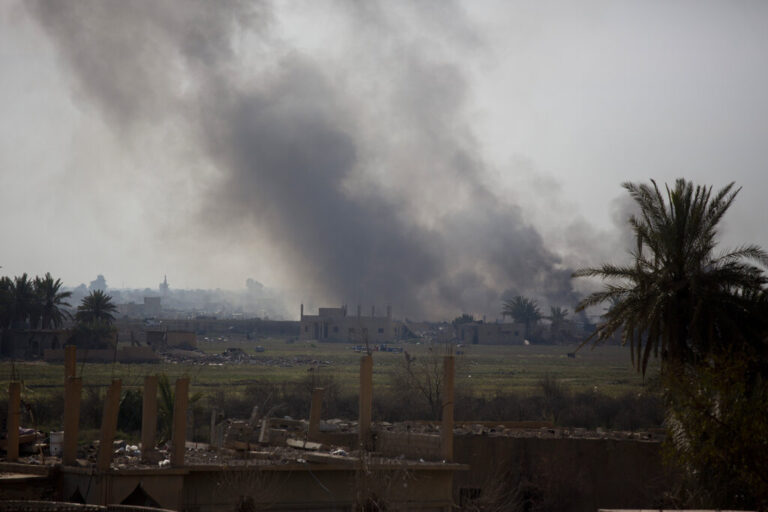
(356, 165)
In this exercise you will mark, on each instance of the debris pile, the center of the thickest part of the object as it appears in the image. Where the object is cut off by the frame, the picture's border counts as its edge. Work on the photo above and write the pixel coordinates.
(236, 356)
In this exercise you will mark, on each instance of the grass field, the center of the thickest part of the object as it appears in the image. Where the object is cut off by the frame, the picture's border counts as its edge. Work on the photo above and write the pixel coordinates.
(482, 370)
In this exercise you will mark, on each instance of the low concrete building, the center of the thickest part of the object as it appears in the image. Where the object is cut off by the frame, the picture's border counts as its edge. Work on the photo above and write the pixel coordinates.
(334, 324)
(490, 334)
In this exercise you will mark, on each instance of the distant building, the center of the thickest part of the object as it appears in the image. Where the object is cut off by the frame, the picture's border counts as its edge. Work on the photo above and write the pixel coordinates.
(163, 339)
(151, 308)
(334, 324)
(490, 334)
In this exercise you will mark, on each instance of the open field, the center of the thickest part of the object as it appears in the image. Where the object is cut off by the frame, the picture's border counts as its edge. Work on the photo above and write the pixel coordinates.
(482, 370)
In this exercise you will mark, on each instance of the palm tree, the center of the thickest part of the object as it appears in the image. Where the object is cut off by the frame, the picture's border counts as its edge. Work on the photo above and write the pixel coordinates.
(6, 302)
(96, 307)
(678, 299)
(558, 317)
(557, 314)
(52, 301)
(165, 407)
(522, 310)
(24, 303)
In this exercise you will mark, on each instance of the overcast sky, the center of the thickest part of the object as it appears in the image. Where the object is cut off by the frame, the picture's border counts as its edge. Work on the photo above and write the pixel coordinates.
(414, 153)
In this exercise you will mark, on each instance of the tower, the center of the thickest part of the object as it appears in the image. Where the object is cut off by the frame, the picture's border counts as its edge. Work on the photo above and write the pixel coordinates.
(164, 286)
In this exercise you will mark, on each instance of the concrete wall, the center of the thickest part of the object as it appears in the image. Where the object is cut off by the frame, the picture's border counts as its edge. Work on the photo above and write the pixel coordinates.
(165, 487)
(171, 338)
(317, 487)
(182, 339)
(290, 486)
(569, 474)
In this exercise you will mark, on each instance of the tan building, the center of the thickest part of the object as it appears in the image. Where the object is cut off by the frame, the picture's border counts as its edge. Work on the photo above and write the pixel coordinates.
(490, 334)
(334, 324)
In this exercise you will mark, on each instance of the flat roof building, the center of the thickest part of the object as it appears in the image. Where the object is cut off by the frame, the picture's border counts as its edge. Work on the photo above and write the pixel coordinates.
(335, 325)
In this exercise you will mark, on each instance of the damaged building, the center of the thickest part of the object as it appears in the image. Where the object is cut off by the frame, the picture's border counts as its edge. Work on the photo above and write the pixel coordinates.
(280, 463)
(334, 324)
(265, 463)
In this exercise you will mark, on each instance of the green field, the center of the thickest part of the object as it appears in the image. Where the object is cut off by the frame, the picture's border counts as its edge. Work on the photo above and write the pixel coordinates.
(482, 370)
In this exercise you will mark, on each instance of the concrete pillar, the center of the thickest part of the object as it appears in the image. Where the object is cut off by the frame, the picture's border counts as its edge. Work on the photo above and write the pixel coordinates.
(149, 417)
(214, 439)
(301, 317)
(389, 311)
(315, 413)
(14, 413)
(73, 388)
(70, 361)
(254, 419)
(366, 401)
(109, 425)
(446, 428)
(179, 436)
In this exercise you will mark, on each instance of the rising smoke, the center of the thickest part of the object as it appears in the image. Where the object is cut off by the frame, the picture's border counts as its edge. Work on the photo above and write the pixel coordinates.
(358, 164)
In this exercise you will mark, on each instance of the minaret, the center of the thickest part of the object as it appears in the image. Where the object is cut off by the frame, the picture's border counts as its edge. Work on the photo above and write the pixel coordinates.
(164, 286)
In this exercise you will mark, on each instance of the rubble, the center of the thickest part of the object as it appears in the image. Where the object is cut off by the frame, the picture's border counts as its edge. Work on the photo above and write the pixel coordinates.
(237, 356)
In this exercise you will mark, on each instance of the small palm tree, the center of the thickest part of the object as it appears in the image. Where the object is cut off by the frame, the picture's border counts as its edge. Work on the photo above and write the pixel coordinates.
(52, 301)
(522, 310)
(165, 407)
(96, 307)
(678, 298)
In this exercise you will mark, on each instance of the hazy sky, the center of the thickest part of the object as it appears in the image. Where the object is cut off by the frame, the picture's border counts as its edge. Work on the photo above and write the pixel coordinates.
(434, 155)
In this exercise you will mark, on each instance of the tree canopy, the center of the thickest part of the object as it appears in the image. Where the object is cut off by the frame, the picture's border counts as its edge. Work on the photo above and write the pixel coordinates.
(32, 303)
(53, 300)
(96, 307)
(523, 311)
(678, 298)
